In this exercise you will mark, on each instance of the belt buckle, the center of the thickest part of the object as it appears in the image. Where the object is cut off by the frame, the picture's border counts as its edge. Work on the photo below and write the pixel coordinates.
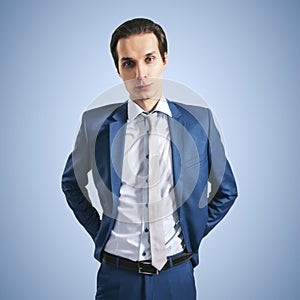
(148, 263)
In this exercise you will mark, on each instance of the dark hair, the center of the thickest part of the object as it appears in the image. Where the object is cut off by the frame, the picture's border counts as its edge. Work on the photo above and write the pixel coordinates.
(138, 26)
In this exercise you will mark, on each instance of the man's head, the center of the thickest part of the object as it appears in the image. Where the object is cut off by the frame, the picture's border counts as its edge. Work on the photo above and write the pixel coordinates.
(139, 50)
(136, 27)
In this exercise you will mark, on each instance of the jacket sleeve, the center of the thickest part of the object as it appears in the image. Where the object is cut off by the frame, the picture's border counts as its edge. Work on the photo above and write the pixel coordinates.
(74, 181)
(223, 186)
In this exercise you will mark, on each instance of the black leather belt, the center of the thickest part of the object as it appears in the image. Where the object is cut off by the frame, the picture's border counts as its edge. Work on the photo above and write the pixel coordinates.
(144, 267)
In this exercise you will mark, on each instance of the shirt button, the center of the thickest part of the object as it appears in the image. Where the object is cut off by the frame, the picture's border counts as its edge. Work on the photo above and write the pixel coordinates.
(147, 180)
(146, 204)
(147, 156)
(146, 229)
(144, 253)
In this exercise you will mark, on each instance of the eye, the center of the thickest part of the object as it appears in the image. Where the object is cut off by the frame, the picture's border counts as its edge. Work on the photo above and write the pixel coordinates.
(128, 64)
(150, 59)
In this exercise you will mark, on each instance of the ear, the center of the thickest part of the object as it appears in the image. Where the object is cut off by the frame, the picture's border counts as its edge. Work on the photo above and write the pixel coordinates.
(118, 71)
(166, 59)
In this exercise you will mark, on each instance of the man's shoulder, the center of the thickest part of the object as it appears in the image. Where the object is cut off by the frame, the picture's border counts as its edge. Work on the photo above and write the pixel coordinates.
(100, 114)
(189, 107)
(94, 118)
(190, 111)
(105, 110)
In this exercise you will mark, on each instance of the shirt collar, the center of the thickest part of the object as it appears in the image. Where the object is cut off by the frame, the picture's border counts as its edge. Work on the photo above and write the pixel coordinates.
(134, 110)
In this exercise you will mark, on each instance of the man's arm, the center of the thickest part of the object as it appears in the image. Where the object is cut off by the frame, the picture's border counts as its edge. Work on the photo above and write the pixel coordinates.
(74, 181)
(223, 185)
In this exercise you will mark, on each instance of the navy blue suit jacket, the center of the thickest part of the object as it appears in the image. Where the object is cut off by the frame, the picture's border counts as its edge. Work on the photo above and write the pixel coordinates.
(198, 157)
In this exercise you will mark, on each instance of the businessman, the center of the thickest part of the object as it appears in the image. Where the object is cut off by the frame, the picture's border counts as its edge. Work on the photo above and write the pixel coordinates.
(161, 175)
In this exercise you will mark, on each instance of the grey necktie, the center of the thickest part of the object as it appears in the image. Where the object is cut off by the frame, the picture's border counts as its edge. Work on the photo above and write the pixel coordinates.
(157, 239)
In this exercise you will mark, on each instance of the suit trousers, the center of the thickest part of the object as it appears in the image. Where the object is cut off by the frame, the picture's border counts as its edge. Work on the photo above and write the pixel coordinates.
(176, 283)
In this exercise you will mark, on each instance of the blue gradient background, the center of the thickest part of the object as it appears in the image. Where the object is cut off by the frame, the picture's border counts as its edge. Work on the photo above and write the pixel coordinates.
(241, 56)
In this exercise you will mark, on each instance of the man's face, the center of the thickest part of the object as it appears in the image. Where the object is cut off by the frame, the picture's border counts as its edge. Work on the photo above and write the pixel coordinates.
(141, 66)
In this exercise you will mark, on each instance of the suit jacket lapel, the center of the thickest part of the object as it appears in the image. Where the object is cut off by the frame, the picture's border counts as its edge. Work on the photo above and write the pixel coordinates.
(176, 126)
(117, 130)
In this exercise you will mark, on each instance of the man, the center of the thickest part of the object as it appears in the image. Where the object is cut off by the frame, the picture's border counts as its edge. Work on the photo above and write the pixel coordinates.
(151, 161)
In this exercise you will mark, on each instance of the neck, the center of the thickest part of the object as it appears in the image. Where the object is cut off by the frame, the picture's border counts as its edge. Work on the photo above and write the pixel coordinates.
(147, 104)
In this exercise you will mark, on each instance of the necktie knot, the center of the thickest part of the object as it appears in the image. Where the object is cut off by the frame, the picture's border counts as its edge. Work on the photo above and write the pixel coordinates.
(151, 119)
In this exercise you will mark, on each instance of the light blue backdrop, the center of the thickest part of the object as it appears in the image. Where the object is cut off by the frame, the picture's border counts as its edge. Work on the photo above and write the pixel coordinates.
(241, 56)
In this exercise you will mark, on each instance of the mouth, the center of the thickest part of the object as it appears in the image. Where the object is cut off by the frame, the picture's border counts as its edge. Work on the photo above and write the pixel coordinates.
(142, 87)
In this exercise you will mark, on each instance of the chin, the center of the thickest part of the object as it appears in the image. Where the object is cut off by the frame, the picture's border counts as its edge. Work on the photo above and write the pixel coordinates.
(143, 96)
(146, 95)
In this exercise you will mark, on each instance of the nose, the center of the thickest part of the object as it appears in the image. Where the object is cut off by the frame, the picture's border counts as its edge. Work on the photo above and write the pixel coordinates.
(141, 71)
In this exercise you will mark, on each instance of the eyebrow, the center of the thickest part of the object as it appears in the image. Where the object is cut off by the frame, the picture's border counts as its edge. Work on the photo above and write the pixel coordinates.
(146, 55)
(150, 53)
(126, 58)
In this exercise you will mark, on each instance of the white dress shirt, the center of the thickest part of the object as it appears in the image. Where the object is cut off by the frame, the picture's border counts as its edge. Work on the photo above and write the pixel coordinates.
(130, 235)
